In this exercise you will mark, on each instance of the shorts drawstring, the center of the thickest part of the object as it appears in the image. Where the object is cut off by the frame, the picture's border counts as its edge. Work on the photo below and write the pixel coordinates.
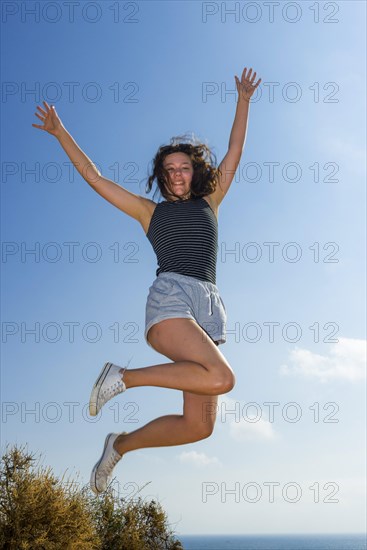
(210, 304)
(175, 295)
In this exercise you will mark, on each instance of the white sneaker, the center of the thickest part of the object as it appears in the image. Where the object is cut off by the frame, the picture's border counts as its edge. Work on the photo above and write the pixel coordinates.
(108, 384)
(102, 471)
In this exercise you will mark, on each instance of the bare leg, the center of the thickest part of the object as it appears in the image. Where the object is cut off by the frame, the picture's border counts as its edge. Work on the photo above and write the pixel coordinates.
(197, 422)
(199, 366)
(182, 375)
(200, 370)
(164, 431)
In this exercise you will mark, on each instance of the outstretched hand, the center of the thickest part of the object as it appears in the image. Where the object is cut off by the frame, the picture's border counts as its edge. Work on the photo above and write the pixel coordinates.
(51, 122)
(245, 86)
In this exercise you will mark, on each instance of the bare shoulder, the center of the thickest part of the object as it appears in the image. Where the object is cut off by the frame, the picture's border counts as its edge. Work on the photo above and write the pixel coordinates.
(147, 212)
(212, 204)
(149, 205)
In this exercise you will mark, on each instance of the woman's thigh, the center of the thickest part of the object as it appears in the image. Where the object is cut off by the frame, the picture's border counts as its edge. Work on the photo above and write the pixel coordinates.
(182, 339)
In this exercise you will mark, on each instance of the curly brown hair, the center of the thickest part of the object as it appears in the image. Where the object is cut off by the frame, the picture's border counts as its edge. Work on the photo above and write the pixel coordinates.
(205, 177)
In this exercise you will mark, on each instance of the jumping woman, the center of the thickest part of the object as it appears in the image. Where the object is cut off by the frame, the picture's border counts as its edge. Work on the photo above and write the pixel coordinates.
(184, 306)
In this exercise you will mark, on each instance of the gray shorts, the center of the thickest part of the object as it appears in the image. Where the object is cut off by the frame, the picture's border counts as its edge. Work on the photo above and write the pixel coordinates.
(174, 295)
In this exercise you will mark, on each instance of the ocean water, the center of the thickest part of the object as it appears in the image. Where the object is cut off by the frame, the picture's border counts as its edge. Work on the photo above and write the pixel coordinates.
(274, 542)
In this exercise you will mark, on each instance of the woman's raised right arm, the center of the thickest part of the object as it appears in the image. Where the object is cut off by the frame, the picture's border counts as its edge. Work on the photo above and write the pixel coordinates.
(130, 203)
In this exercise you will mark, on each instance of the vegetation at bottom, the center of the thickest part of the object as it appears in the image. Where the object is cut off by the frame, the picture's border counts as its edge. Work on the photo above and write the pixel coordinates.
(39, 511)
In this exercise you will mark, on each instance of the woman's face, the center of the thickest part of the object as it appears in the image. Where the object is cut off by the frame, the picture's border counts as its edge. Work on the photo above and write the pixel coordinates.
(180, 171)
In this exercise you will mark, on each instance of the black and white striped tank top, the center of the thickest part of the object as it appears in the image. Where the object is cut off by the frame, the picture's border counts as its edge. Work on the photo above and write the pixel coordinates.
(184, 237)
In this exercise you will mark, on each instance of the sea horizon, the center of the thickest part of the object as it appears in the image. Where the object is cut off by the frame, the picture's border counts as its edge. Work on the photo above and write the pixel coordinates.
(285, 541)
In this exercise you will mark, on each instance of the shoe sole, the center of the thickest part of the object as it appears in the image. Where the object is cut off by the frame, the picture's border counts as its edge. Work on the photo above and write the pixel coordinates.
(96, 388)
(93, 477)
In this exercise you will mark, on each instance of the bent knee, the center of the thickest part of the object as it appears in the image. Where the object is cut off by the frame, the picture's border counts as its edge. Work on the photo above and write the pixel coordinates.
(202, 430)
(223, 382)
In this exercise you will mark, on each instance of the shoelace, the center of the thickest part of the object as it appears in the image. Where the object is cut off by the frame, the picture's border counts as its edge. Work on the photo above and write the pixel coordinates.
(106, 470)
(112, 390)
(116, 387)
(111, 463)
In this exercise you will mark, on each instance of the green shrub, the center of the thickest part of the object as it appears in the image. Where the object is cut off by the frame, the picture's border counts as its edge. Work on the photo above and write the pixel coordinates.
(132, 525)
(40, 512)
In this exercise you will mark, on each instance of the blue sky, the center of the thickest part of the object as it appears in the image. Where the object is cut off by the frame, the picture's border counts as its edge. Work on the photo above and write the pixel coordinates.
(125, 77)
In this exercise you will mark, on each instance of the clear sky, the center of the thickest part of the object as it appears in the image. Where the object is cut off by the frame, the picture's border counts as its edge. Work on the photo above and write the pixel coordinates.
(125, 77)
